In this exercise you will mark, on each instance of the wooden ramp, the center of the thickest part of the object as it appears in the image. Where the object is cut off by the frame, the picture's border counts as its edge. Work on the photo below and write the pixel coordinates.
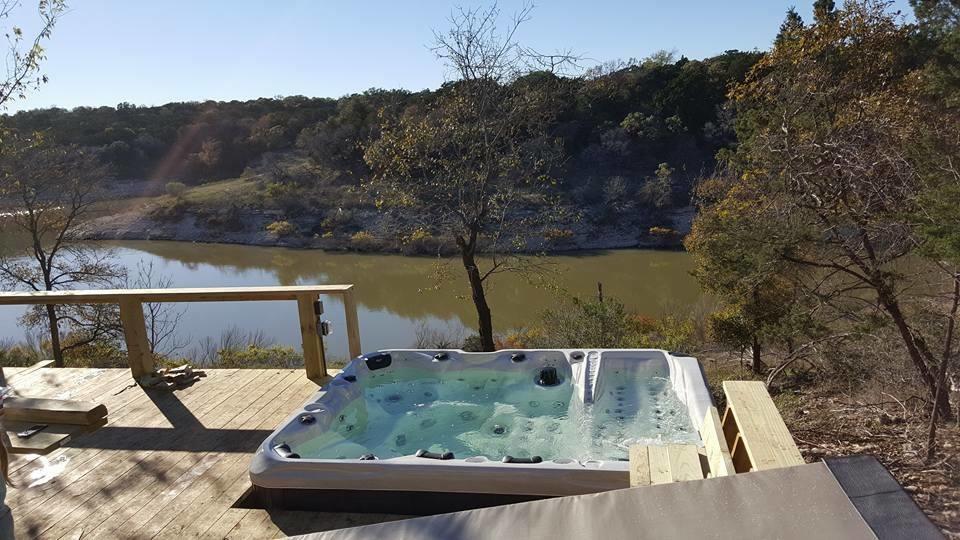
(166, 465)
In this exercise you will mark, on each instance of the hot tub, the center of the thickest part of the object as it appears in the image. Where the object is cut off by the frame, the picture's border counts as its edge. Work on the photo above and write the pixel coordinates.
(526, 423)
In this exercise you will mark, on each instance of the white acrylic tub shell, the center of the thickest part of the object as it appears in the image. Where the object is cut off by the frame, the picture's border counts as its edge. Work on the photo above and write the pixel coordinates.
(474, 474)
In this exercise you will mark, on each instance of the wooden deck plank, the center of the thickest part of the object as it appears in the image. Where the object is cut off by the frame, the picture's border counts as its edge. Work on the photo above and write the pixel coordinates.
(116, 459)
(151, 473)
(234, 482)
(141, 408)
(83, 460)
(179, 512)
(22, 372)
(112, 391)
(148, 500)
(659, 465)
(115, 405)
(157, 467)
(684, 462)
(663, 464)
(110, 463)
(762, 432)
(639, 466)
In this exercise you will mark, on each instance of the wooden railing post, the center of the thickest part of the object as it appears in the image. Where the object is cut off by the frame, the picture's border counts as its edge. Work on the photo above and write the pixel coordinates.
(313, 357)
(135, 335)
(353, 323)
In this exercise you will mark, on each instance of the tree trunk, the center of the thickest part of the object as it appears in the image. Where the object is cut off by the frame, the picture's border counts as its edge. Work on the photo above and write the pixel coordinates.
(756, 364)
(942, 372)
(54, 335)
(485, 320)
(892, 308)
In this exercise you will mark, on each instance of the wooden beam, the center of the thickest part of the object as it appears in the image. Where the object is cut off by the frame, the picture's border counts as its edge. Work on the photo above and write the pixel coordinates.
(760, 430)
(715, 445)
(208, 294)
(139, 356)
(53, 411)
(639, 466)
(353, 323)
(47, 440)
(313, 357)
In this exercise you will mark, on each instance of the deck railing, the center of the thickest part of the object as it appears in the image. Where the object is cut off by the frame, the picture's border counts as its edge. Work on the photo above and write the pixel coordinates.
(131, 302)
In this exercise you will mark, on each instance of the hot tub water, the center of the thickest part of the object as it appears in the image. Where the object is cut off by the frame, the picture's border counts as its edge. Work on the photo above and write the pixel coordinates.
(492, 413)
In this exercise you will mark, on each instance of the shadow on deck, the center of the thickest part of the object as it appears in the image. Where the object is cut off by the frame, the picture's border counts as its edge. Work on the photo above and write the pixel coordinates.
(168, 463)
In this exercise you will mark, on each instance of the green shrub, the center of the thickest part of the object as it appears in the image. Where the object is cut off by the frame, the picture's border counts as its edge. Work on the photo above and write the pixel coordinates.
(282, 228)
(176, 189)
(668, 332)
(585, 323)
(337, 220)
(171, 211)
(363, 241)
(663, 231)
(420, 242)
(558, 236)
(17, 355)
(229, 218)
(98, 354)
(289, 197)
(254, 356)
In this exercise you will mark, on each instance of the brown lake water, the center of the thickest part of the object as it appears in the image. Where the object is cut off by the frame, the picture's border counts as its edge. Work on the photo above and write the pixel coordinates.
(396, 294)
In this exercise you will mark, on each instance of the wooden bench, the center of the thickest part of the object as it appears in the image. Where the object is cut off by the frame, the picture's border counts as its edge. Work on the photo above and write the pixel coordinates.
(754, 430)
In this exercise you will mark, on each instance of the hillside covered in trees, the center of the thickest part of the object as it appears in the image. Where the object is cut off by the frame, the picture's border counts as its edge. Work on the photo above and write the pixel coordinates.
(634, 136)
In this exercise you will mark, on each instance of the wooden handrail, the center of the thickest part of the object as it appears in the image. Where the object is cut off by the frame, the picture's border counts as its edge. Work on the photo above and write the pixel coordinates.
(204, 294)
(135, 330)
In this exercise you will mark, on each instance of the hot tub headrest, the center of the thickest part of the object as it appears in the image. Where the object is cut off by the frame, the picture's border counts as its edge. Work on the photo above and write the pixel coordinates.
(434, 455)
(284, 451)
(531, 459)
(378, 361)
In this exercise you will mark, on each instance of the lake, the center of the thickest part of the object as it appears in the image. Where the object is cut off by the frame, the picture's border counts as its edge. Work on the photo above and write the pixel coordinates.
(396, 295)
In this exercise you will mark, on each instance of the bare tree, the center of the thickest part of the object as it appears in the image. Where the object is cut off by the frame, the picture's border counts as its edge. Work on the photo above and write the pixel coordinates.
(474, 165)
(51, 190)
(25, 55)
(162, 319)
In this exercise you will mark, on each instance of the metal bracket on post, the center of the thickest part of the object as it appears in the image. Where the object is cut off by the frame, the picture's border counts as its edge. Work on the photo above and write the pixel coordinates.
(323, 327)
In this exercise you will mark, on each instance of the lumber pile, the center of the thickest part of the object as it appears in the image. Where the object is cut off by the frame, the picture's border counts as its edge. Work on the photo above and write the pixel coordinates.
(39, 425)
(171, 378)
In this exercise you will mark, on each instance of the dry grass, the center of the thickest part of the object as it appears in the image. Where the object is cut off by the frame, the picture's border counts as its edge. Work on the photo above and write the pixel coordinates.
(888, 421)
(895, 432)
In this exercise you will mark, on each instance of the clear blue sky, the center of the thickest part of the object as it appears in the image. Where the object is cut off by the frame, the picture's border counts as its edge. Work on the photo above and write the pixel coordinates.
(155, 51)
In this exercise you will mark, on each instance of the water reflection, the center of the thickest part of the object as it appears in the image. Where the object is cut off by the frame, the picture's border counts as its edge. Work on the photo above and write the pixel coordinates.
(394, 293)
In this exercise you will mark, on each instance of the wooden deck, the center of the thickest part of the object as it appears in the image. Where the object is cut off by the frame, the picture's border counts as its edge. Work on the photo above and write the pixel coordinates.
(167, 465)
